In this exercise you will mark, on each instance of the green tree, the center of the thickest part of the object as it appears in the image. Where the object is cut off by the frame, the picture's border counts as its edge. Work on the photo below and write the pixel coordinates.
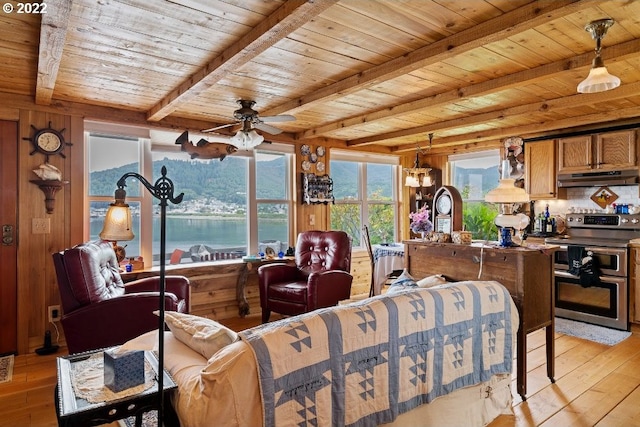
(346, 217)
(478, 218)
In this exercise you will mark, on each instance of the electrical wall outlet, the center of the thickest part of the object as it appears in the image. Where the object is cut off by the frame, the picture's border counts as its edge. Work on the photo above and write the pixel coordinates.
(54, 313)
(40, 225)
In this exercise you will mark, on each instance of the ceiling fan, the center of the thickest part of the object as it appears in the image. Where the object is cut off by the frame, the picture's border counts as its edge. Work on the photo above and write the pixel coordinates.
(250, 119)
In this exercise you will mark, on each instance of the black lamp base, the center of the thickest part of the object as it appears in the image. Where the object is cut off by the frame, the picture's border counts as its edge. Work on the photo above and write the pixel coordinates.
(47, 348)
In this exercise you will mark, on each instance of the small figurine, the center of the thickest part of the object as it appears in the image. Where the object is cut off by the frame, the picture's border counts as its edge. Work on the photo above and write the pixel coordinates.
(48, 172)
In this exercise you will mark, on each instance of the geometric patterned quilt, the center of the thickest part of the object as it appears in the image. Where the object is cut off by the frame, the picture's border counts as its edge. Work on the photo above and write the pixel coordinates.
(364, 363)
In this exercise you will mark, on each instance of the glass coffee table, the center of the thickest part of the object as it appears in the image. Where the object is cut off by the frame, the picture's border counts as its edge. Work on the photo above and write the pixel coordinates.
(72, 410)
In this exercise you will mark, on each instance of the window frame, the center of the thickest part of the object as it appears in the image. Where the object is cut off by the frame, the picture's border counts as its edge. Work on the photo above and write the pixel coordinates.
(362, 159)
(478, 215)
(147, 148)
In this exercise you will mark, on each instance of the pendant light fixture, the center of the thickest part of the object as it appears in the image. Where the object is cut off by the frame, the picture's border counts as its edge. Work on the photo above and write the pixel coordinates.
(417, 176)
(599, 78)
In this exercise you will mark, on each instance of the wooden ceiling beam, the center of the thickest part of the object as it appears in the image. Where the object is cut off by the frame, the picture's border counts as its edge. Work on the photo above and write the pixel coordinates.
(613, 53)
(547, 106)
(506, 25)
(53, 32)
(286, 19)
(445, 145)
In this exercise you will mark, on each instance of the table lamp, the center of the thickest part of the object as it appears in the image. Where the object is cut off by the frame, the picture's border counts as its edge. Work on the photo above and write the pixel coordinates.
(507, 194)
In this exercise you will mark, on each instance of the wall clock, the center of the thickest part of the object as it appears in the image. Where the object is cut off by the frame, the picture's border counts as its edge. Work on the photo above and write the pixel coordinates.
(447, 212)
(48, 141)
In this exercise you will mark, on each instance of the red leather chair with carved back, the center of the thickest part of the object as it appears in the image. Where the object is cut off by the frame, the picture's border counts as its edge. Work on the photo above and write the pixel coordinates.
(98, 309)
(319, 279)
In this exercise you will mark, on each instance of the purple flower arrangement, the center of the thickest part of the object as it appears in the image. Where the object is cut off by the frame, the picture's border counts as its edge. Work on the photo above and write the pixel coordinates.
(420, 221)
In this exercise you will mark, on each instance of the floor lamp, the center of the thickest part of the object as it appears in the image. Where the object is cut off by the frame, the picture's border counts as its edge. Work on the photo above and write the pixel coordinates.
(163, 191)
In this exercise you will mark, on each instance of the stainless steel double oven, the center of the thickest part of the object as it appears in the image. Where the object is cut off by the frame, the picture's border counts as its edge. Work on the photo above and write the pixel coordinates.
(606, 237)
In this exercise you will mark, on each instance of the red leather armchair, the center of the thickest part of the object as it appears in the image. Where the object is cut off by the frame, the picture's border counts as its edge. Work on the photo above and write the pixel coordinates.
(319, 279)
(98, 309)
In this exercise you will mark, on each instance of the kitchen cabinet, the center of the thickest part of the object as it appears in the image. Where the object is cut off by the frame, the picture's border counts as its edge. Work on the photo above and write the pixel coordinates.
(598, 152)
(540, 172)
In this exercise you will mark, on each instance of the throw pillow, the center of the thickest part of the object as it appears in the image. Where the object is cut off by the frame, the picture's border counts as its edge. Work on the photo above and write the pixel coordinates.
(403, 281)
(429, 281)
(203, 335)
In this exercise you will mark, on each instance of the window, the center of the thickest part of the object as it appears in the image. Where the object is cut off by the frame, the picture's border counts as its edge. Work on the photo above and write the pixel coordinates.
(105, 170)
(474, 175)
(273, 199)
(364, 186)
(228, 207)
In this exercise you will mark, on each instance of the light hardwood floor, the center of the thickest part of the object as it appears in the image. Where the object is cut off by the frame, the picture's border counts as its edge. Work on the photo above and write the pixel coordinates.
(596, 385)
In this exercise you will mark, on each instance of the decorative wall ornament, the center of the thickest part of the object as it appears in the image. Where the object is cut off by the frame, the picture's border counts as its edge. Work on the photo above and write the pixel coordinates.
(48, 141)
(47, 171)
(514, 153)
(604, 197)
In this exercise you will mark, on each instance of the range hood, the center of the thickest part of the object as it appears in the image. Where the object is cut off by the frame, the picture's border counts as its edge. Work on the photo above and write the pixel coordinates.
(598, 179)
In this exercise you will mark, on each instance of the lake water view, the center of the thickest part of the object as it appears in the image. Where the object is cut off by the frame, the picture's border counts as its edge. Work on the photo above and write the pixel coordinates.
(217, 232)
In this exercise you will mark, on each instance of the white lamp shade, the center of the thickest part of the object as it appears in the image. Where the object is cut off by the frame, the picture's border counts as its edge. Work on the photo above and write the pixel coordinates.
(411, 181)
(246, 140)
(507, 192)
(117, 224)
(598, 80)
(426, 181)
(517, 222)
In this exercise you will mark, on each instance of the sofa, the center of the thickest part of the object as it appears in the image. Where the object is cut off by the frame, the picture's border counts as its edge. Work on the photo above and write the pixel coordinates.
(440, 356)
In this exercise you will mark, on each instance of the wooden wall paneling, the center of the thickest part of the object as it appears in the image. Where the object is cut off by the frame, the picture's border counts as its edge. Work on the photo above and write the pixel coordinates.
(8, 113)
(361, 272)
(37, 287)
(304, 212)
(213, 287)
(77, 188)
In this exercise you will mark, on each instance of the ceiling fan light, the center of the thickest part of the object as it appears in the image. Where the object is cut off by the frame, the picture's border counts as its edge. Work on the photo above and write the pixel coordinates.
(255, 138)
(237, 139)
(246, 140)
(598, 80)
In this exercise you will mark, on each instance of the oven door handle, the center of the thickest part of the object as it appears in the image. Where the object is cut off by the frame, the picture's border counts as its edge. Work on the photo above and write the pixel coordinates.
(565, 274)
(599, 249)
(604, 279)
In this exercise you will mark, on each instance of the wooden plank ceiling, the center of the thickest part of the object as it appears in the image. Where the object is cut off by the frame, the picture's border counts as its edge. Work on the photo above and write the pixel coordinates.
(380, 74)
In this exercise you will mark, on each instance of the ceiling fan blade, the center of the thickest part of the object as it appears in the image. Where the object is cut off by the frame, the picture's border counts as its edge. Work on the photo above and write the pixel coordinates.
(280, 118)
(217, 127)
(268, 128)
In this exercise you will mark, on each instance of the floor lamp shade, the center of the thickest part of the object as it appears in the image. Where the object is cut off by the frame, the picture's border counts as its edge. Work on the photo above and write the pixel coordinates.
(117, 223)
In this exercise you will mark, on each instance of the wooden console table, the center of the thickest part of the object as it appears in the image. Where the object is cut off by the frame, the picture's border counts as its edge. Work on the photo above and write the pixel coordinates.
(527, 274)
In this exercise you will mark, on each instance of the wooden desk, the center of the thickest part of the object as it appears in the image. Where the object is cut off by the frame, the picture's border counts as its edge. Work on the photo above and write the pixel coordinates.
(526, 273)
